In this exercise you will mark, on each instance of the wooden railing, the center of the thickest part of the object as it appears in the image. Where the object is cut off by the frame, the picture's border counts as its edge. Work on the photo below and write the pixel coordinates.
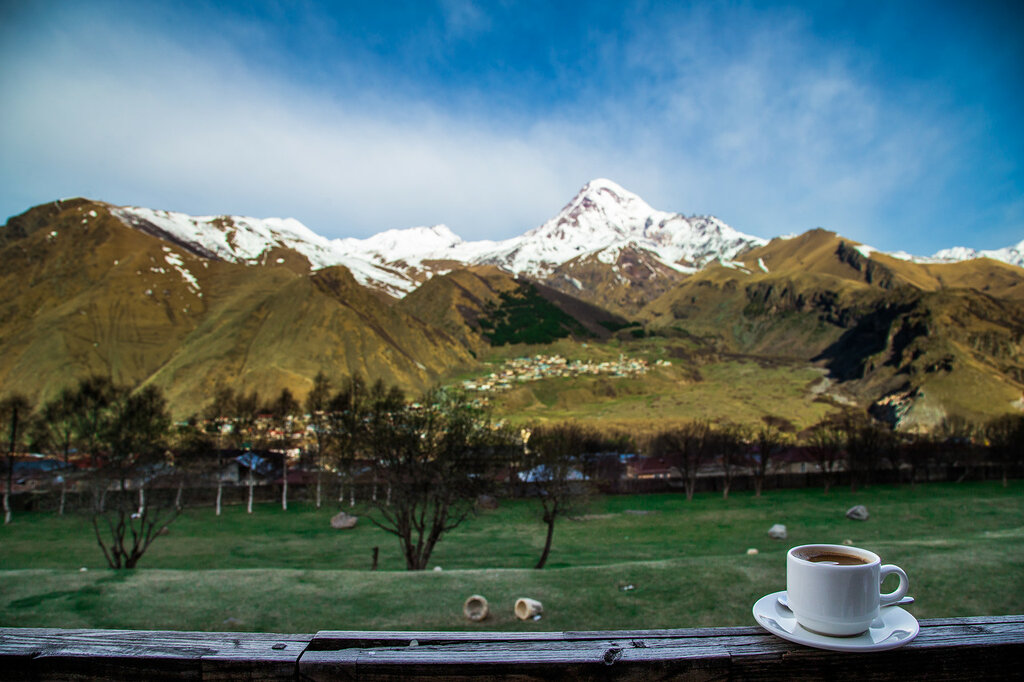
(990, 647)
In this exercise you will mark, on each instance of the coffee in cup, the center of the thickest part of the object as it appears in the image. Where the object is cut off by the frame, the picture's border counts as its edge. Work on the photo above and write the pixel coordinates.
(835, 589)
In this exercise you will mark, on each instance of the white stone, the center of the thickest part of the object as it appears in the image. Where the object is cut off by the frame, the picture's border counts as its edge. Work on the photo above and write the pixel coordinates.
(777, 532)
(858, 513)
(343, 521)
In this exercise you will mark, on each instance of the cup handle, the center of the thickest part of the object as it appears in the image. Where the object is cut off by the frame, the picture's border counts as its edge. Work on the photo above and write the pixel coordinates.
(899, 592)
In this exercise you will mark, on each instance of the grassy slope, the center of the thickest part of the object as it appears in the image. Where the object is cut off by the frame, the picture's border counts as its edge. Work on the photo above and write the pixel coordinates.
(289, 572)
(695, 386)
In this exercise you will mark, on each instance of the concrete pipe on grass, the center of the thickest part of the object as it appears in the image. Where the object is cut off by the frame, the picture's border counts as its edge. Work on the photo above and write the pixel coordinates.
(528, 608)
(475, 608)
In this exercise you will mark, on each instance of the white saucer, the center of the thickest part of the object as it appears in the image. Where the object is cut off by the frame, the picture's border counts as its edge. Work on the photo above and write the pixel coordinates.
(893, 628)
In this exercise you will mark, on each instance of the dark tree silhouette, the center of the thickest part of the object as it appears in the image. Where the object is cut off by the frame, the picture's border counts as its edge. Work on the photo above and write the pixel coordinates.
(220, 418)
(687, 447)
(731, 441)
(1005, 437)
(774, 434)
(58, 422)
(825, 445)
(133, 439)
(15, 417)
(865, 442)
(282, 411)
(345, 427)
(553, 471)
(317, 403)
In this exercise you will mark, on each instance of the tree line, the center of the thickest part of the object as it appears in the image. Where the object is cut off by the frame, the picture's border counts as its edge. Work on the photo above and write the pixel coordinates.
(431, 460)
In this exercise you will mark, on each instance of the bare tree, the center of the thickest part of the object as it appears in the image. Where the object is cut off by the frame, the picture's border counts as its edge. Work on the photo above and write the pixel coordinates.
(344, 423)
(731, 441)
(825, 444)
(282, 411)
(958, 434)
(865, 442)
(246, 434)
(58, 421)
(317, 403)
(134, 438)
(772, 436)
(687, 448)
(195, 454)
(1005, 437)
(15, 415)
(914, 451)
(94, 398)
(554, 464)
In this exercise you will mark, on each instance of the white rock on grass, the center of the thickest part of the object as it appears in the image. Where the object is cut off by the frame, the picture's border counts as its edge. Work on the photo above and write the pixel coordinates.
(343, 521)
(858, 513)
(777, 532)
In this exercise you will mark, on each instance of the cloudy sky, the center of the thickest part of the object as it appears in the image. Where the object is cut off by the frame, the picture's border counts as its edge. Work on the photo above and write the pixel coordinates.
(894, 123)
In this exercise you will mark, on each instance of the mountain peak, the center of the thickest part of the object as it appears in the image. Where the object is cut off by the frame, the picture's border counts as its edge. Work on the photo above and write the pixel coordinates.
(404, 243)
(608, 200)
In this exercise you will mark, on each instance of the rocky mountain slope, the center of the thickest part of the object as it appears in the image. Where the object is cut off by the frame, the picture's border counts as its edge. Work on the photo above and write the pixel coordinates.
(190, 303)
(916, 341)
(85, 293)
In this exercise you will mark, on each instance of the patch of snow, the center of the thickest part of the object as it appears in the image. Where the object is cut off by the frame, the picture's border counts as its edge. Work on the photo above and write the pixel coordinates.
(1014, 255)
(734, 265)
(175, 261)
(760, 264)
(865, 250)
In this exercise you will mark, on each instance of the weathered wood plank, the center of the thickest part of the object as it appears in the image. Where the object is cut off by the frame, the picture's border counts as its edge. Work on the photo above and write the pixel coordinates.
(46, 653)
(946, 649)
(327, 640)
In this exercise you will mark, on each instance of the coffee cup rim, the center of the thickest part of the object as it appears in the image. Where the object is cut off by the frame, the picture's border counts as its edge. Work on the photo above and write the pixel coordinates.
(848, 549)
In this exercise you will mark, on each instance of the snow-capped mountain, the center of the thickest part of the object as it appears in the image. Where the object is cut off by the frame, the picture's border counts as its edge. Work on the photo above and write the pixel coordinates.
(603, 219)
(603, 224)
(252, 241)
(1014, 255)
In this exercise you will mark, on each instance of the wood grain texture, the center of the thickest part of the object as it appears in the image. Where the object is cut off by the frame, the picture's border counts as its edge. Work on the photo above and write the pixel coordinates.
(990, 647)
(54, 654)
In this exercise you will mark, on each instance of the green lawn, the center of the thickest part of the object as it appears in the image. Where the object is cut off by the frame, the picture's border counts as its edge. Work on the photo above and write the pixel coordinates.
(962, 545)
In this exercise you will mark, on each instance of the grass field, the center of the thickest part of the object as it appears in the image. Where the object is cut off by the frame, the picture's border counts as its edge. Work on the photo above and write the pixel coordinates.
(632, 562)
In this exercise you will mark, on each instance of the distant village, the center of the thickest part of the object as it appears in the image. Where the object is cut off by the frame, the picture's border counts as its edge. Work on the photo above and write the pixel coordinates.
(522, 370)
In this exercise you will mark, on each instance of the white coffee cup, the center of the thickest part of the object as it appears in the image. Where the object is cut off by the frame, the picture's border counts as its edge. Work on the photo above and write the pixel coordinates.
(838, 599)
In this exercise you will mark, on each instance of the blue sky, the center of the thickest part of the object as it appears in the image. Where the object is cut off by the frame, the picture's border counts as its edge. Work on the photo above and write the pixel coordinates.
(897, 124)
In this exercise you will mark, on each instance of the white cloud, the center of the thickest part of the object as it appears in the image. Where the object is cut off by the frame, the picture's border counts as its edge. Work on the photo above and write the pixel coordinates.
(752, 122)
(212, 136)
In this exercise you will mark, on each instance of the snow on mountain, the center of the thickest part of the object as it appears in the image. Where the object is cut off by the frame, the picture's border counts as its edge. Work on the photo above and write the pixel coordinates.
(1014, 255)
(250, 240)
(602, 221)
(395, 245)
